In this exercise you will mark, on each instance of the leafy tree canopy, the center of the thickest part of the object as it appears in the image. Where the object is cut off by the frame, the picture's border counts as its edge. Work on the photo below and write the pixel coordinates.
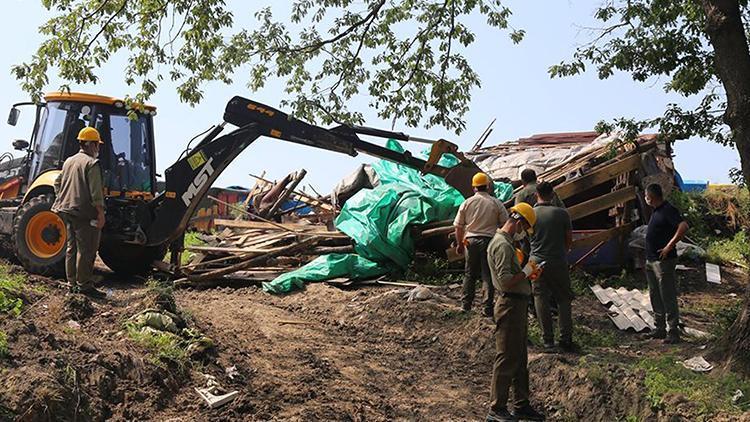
(405, 55)
(663, 40)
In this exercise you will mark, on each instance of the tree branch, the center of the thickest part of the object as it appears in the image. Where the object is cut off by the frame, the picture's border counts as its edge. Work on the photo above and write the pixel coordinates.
(101, 30)
(349, 30)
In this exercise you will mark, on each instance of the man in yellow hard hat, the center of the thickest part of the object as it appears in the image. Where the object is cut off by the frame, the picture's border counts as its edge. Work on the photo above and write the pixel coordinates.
(477, 220)
(80, 203)
(511, 321)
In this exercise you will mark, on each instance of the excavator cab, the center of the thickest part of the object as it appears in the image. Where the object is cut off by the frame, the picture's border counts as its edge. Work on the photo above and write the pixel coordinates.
(27, 192)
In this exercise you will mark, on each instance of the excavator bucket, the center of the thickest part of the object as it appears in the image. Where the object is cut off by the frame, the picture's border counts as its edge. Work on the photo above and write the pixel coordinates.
(460, 177)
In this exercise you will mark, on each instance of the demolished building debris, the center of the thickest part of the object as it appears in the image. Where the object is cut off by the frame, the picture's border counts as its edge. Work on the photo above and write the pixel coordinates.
(600, 178)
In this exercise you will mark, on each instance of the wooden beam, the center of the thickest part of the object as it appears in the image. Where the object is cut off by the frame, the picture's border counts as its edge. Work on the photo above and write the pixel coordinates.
(608, 172)
(602, 236)
(244, 224)
(601, 203)
(293, 248)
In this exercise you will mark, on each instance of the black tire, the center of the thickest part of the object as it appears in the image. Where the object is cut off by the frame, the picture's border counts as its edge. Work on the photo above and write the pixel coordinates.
(43, 251)
(128, 259)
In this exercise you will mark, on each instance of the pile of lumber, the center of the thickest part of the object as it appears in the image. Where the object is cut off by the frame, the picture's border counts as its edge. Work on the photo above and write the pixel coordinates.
(267, 197)
(248, 252)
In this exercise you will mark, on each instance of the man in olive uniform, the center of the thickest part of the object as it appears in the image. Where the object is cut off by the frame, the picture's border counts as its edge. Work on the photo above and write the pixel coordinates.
(477, 220)
(553, 237)
(80, 203)
(528, 193)
(511, 326)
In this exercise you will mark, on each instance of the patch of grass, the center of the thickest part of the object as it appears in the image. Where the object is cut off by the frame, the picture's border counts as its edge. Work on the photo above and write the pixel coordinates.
(591, 337)
(163, 347)
(721, 314)
(161, 294)
(711, 392)
(454, 314)
(191, 239)
(580, 282)
(11, 285)
(3, 344)
(433, 271)
(725, 251)
(535, 333)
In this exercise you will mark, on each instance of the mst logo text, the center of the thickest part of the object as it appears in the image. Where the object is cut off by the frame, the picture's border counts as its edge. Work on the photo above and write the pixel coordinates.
(200, 179)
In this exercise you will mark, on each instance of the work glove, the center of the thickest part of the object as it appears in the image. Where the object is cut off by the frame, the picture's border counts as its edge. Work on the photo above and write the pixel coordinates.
(461, 247)
(532, 270)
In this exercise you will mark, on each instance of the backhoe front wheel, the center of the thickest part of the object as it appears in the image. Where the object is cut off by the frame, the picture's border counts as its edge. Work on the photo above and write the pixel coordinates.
(39, 237)
(129, 259)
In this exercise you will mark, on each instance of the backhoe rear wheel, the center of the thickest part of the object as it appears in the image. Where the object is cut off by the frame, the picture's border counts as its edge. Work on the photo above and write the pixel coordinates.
(128, 259)
(39, 237)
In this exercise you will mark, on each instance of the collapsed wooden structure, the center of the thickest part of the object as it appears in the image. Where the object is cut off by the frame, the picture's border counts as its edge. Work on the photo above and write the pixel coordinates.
(600, 178)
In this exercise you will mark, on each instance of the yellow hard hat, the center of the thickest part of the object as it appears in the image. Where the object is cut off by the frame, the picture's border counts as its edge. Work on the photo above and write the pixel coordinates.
(527, 212)
(89, 134)
(480, 179)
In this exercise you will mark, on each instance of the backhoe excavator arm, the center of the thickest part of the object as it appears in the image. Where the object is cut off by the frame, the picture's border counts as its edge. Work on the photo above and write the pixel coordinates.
(188, 180)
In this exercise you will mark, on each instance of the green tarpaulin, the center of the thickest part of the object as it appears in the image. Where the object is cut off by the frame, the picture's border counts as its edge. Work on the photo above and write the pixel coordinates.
(377, 220)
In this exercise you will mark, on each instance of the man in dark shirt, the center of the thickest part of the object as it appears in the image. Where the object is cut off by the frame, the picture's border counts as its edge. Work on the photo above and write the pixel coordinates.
(553, 236)
(528, 193)
(665, 228)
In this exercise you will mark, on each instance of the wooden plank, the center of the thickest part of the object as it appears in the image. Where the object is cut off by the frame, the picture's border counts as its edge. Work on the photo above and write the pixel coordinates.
(309, 242)
(439, 231)
(222, 249)
(601, 203)
(602, 236)
(268, 226)
(302, 197)
(608, 172)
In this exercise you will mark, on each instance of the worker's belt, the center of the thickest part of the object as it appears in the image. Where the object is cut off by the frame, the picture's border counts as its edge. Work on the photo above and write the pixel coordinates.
(515, 295)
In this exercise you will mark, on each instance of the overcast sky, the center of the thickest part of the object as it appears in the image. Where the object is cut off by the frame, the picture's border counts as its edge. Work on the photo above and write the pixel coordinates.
(516, 90)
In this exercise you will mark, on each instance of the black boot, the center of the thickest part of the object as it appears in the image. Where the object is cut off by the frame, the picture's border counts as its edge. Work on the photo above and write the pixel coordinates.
(656, 335)
(501, 415)
(527, 413)
(673, 337)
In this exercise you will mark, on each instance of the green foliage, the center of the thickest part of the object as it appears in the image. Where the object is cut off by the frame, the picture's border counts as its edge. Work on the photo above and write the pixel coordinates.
(191, 239)
(161, 295)
(11, 285)
(581, 281)
(3, 345)
(162, 346)
(722, 315)
(434, 271)
(652, 39)
(728, 251)
(693, 209)
(535, 332)
(591, 337)
(711, 392)
(408, 56)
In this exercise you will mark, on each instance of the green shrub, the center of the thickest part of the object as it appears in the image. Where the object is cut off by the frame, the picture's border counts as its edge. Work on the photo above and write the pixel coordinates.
(725, 251)
(711, 392)
(10, 290)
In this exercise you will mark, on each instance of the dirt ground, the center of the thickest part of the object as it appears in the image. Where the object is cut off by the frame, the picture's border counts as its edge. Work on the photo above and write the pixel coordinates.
(318, 354)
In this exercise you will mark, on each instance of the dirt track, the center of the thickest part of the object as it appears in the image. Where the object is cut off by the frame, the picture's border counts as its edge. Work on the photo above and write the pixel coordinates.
(319, 354)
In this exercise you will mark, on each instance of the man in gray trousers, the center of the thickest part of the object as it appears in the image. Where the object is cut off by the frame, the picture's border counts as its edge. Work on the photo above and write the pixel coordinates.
(665, 228)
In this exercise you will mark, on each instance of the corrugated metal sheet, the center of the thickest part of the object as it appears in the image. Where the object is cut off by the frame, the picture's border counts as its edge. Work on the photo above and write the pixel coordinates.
(628, 309)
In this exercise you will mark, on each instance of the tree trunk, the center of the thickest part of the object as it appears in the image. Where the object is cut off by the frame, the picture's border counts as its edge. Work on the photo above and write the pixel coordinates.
(732, 59)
